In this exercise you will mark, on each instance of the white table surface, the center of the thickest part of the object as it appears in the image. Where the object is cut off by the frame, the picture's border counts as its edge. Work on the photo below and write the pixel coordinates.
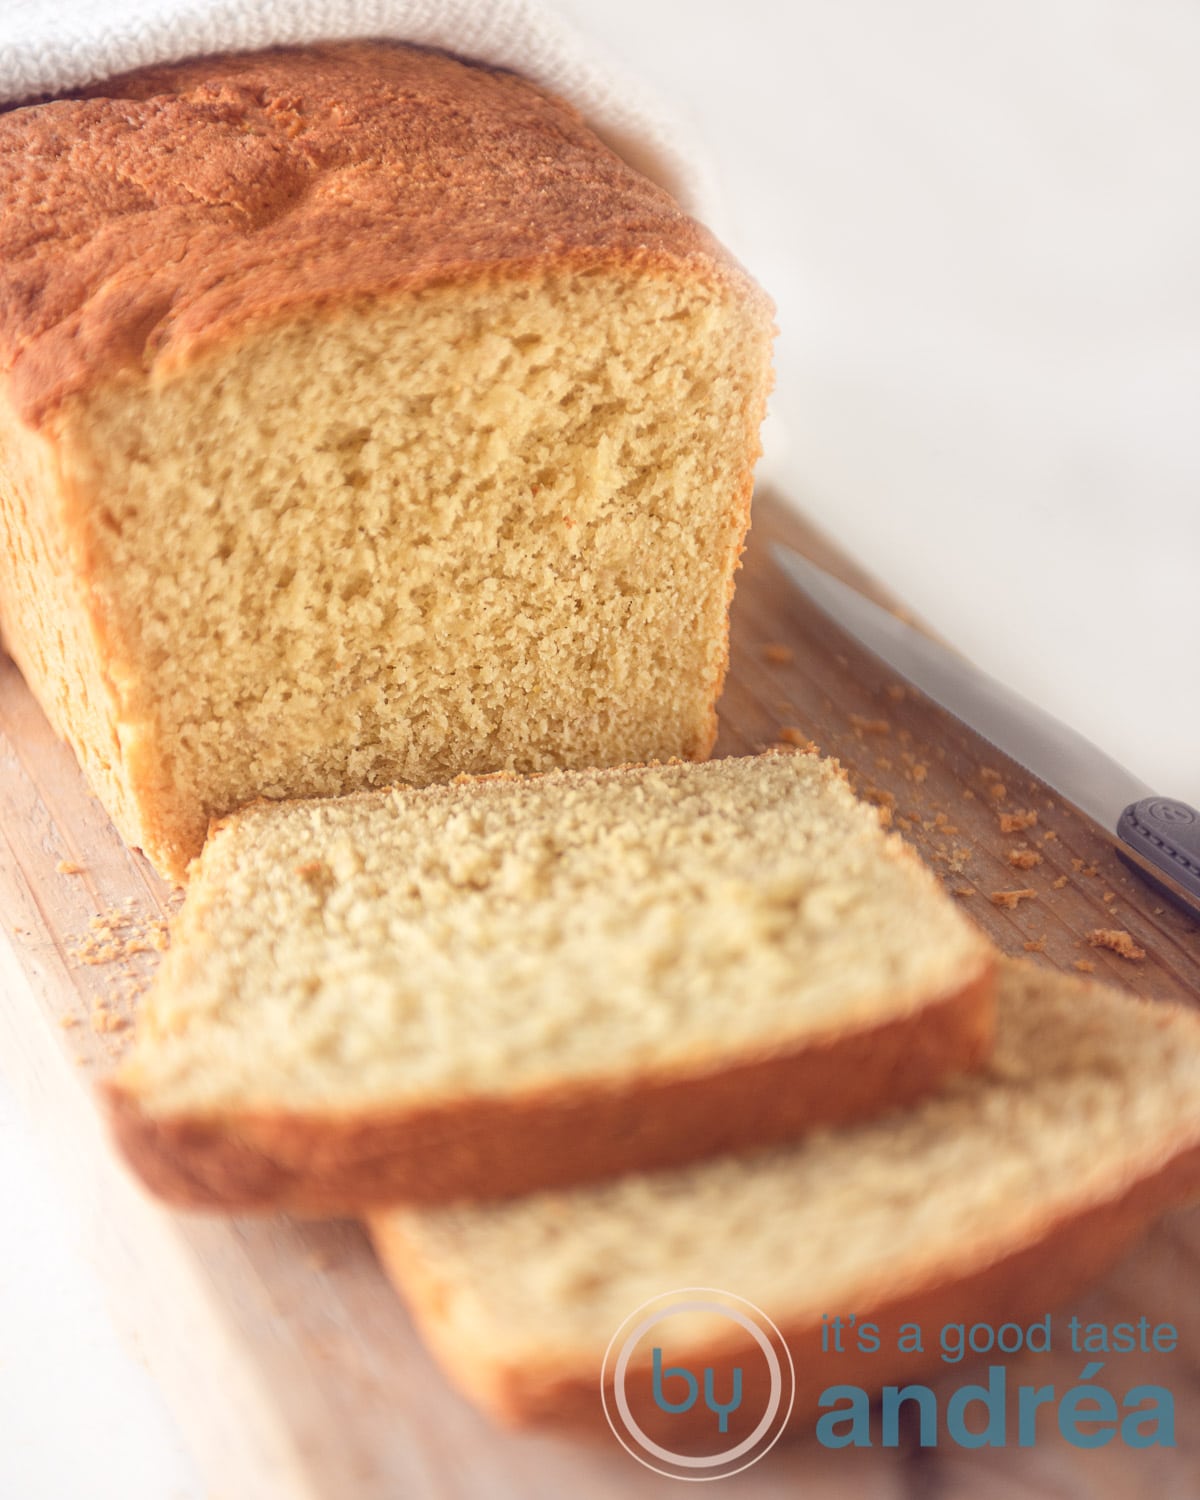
(981, 227)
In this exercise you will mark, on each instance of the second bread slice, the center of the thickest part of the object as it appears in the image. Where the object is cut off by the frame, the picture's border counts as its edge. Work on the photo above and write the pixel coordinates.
(987, 1204)
(506, 984)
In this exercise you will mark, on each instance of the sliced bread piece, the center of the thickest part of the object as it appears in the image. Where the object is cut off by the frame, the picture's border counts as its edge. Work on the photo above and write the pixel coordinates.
(513, 983)
(990, 1202)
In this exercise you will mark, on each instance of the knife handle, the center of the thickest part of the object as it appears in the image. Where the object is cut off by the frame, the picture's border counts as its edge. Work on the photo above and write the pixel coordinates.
(1164, 835)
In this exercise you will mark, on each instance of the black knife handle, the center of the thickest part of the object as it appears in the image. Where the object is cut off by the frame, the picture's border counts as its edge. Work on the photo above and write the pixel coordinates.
(1167, 834)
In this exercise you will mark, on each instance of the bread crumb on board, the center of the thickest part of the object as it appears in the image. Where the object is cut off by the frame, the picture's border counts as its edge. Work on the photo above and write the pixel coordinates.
(963, 890)
(862, 725)
(791, 734)
(998, 791)
(1024, 859)
(1116, 940)
(778, 654)
(120, 935)
(126, 938)
(69, 867)
(1084, 966)
(1035, 945)
(106, 1020)
(1060, 884)
(1012, 899)
(1018, 822)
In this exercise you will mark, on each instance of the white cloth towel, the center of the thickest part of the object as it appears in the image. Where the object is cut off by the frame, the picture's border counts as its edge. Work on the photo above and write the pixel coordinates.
(52, 46)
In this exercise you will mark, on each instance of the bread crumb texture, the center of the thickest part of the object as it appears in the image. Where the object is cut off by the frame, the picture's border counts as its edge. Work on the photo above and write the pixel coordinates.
(1012, 899)
(793, 735)
(387, 425)
(486, 938)
(116, 935)
(1018, 822)
(1086, 1093)
(1116, 940)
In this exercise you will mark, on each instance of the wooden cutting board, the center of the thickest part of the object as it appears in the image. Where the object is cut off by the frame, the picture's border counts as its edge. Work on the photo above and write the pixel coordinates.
(293, 1368)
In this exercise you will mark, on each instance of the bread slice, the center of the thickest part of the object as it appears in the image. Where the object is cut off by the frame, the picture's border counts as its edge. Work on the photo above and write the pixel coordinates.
(992, 1201)
(506, 984)
(363, 419)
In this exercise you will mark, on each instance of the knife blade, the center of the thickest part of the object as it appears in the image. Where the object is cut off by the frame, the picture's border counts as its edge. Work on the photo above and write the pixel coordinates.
(1158, 836)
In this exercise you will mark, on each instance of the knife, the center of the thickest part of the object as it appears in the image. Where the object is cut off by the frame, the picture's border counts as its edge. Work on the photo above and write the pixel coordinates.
(1157, 836)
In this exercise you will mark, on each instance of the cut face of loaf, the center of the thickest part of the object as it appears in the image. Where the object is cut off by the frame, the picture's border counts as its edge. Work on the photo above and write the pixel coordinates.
(991, 1202)
(365, 421)
(505, 984)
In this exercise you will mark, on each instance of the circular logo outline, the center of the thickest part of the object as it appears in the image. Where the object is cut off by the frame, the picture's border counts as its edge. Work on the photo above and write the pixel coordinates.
(641, 1326)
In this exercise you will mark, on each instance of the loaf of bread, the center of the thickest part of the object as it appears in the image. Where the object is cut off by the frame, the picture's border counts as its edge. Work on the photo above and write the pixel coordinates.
(363, 419)
(511, 983)
(989, 1203)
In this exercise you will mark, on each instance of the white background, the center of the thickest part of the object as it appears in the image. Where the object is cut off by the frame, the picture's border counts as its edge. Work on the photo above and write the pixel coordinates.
(981, 225)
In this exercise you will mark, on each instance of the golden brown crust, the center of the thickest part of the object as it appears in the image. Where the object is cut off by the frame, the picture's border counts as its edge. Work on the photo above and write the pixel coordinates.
(1056, 1260)
(494, 1148)
(168, 210)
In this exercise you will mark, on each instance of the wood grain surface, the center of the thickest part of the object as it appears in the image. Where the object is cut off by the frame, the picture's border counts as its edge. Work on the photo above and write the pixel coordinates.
(292, 1367)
